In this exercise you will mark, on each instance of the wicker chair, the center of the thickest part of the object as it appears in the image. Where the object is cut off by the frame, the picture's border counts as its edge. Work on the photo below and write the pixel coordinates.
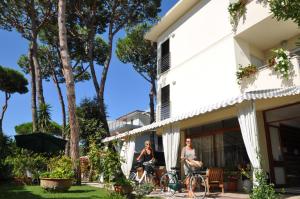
(215, 179)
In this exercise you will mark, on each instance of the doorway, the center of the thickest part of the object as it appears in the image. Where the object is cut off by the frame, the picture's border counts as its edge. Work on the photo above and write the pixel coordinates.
(283, 142)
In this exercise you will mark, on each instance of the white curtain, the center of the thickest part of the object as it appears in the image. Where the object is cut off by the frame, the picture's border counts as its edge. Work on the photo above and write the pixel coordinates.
(248, 125)
(171, 139)
(127, 154)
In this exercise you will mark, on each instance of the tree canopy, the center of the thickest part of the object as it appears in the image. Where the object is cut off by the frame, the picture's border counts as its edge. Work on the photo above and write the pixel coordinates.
(26, 128)
(12, 81)
(141, 54)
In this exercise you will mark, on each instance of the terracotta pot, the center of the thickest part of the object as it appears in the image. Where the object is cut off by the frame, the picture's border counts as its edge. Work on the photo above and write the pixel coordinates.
(123, 189)
(232, 186)
(54, 184)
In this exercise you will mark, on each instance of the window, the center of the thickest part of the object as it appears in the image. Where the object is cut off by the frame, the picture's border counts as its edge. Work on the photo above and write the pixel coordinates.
(219, 144)
(256, 61)
(165, 103)
(164, 62)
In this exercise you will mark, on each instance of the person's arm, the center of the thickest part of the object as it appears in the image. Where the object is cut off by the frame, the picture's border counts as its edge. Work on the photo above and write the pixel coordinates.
(142, 153)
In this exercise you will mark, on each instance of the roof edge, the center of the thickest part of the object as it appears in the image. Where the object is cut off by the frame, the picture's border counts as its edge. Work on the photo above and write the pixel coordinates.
(177, 11)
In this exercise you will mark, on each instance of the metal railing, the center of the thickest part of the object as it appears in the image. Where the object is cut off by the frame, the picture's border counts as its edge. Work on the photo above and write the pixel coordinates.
(164, 63)
(116, 125)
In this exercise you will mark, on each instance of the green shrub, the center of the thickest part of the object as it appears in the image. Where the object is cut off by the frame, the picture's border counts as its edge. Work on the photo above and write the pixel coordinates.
(143, 189)
(22, 160)
(59, 167)
(262, 189)
(5, 150)
(114, 195)
(111, 164)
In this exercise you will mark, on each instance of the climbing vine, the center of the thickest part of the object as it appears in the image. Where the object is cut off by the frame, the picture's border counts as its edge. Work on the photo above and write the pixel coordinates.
(237, 10)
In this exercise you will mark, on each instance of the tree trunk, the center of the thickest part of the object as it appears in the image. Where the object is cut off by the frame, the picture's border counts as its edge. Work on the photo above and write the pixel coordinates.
(34, 46)
(39, 78)
(103, 81)
(63, 111)
(68, 74)
(152, 96)
(33, 94)
(61, 101)
(4, 108)
(91, 61)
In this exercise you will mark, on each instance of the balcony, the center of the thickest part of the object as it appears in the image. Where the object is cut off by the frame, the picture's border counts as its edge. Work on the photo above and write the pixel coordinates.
(261, 29)
(267, 78)
(121, 126)
(164, 63)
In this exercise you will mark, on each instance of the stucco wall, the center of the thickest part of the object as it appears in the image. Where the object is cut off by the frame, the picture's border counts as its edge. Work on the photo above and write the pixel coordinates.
(203, 62)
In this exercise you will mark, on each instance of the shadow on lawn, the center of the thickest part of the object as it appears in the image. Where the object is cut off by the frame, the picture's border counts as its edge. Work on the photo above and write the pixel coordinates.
(11, 191)
(80, 191)
(16, 192)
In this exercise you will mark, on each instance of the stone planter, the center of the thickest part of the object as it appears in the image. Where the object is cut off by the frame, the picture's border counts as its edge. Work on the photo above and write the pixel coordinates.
(55, 184)
(247, 185)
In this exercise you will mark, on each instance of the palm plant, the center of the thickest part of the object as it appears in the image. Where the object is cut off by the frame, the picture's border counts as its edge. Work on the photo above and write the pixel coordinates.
(44, 116)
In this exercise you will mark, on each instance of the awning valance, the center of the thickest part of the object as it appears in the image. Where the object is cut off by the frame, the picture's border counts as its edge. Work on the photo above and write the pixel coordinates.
(251, 95)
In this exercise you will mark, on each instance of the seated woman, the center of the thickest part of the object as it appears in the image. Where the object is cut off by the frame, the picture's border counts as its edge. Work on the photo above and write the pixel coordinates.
(147, 156)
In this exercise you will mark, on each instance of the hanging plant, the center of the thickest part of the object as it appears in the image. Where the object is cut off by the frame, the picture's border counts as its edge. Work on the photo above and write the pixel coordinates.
(245, 72)
(236, 10)
(281, 62)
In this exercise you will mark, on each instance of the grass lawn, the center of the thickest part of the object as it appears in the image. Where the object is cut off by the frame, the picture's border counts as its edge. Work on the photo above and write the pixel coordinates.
(36, 192)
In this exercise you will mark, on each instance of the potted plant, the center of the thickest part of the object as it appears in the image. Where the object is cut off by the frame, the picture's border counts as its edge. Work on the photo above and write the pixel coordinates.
(60, 174)
(246, 71)
(281, 62)
(122, 186)
(231, 179)
(246, 173)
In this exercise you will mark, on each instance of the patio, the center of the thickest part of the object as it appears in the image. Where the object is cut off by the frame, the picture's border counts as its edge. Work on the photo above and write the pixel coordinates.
(211, 195)
(217, 195)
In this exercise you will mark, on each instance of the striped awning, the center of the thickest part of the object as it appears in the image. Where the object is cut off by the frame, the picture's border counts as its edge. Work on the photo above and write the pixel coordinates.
(251, 95)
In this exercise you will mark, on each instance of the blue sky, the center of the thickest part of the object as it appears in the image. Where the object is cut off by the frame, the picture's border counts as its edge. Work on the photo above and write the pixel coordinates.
(125, 89)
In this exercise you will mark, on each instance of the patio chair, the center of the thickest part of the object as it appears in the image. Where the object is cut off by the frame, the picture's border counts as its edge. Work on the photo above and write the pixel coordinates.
(214, 179)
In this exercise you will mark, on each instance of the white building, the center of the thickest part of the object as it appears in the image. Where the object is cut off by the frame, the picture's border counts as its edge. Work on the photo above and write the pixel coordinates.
(199, 95)
(134, 120)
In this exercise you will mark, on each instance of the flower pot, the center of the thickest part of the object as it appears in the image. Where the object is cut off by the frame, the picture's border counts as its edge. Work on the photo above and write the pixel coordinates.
(55, 184)
(123, 189)
(232, 186)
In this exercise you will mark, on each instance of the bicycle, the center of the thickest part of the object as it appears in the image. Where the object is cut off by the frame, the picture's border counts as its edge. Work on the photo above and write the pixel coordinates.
(171, 181)
(147, 174)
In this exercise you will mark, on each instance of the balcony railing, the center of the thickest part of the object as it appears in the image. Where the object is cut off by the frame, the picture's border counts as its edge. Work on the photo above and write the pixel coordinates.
(267, 78)
(165, 111)
(164, 63)
(121, 126)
